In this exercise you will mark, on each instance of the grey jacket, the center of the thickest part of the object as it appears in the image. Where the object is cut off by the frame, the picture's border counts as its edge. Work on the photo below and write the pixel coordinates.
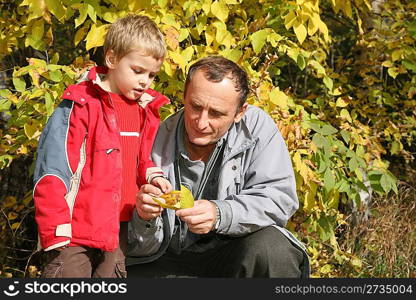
(256, 185)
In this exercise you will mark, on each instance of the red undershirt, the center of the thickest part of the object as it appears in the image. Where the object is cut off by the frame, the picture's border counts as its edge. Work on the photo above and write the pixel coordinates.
(129, 119)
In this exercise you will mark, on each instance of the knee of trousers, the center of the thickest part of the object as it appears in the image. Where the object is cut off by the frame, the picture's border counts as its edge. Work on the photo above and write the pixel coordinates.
(269, 246)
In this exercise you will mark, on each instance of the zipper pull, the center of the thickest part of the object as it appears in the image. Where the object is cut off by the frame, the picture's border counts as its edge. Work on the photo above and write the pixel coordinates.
(109, 150)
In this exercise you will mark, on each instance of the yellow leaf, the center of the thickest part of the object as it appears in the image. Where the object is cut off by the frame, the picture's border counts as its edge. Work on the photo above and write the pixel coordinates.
(167, 68)
(83, 10)
(310, 197)
(290, 18)
(279, 98)
(206, 6)
(9, 201)
(56, 8)
(80, 34)
(313, 24)
(31, 129)
(346, 115)
(15, 225)
(220, 10)
(96, 36)
(171, 36)
(169, 19)
(12, 215)
(341, 102)
(300, 31)
(209, 36)
(323, 29)
(177, 59)
(223, 36)
(176, 199)
(397, 54)
(187, 54)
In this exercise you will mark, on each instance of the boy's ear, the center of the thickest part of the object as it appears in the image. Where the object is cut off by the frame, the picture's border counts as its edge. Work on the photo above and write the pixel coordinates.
(110, 59)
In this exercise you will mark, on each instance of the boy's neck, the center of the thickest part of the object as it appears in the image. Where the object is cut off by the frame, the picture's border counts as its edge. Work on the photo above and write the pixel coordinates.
(108, 85)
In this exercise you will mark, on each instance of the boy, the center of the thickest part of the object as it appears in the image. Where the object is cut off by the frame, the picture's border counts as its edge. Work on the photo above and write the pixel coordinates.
(94, 154)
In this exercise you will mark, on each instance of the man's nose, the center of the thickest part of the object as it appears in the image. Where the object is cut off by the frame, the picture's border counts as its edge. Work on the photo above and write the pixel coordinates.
(202, 121)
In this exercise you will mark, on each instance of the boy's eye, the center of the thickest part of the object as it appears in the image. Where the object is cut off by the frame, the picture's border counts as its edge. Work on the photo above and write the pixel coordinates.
(137, 71)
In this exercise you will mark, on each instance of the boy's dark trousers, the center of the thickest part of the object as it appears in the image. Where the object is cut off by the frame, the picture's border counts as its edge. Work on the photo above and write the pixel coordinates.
(86, 262)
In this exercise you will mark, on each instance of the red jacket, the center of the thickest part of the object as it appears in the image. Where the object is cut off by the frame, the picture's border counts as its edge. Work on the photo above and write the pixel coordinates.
(78, 167)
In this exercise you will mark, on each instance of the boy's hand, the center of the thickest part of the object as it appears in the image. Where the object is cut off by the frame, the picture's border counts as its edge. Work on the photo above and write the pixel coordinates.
(162, 183)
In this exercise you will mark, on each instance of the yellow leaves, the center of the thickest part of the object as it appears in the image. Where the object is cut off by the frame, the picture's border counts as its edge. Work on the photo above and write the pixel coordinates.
(341, 102)
(223, 36)
(81, 33)
(220, 10)
(12, 215)
(35, 38)
(300, 31)
(182, 58)
(96, 35)
(305, 20)
(57, 9)
(9, 201)
(171, 37)
(278, 98)
(31, 129)
(258, 39)
(83, 11)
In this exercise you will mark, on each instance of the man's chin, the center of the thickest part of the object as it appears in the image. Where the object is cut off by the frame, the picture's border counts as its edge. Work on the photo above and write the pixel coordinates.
(200, 142)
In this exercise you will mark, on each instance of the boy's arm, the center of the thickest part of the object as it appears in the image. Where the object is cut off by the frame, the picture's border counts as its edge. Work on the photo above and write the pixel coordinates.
(56, 157)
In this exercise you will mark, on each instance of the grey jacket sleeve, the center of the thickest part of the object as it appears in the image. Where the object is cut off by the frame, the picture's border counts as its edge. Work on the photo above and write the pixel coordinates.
(267, 191)
(144, 237)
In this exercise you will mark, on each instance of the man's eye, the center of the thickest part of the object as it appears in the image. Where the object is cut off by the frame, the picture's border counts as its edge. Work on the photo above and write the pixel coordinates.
(215, 114)
(196, 107)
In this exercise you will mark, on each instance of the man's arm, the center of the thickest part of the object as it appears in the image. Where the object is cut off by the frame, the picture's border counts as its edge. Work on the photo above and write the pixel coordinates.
(268, 192)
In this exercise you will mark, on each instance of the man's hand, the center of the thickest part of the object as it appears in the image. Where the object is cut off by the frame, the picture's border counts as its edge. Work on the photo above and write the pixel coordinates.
(147, 209)
(200, 218)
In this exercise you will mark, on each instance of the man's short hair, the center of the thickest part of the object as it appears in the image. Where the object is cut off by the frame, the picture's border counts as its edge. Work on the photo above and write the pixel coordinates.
(134, 32)
(215, 68)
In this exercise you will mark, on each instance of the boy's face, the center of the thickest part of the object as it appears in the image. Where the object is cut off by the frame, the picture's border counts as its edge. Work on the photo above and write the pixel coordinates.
(132, 74)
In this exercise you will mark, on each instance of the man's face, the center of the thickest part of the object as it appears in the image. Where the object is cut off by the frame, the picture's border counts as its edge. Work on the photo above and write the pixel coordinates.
(210, 109)
(133, 73)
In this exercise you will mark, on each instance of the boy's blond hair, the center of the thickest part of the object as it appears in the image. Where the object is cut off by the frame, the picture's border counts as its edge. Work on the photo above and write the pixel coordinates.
(135, 32)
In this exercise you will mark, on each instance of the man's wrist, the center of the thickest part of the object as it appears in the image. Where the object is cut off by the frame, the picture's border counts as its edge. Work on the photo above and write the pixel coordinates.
(217, 219)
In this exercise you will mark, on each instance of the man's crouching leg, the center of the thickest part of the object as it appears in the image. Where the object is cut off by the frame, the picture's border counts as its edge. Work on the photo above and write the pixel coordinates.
(266, 253)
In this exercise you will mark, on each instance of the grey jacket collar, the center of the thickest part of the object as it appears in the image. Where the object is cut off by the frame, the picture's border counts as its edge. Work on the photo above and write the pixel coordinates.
(239, 138)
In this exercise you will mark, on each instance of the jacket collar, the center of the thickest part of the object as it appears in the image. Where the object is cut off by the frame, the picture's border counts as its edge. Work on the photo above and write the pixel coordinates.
(89, 87)
(239, 137)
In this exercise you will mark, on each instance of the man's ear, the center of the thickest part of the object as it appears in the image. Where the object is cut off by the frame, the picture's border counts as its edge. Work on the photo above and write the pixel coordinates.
(110, 59)
(240, 113)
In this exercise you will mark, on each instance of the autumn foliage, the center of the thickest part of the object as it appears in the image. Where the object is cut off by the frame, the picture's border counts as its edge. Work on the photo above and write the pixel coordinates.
(337, 76)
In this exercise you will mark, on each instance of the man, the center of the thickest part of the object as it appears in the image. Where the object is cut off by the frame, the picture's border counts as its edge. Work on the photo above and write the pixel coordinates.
(234, 160)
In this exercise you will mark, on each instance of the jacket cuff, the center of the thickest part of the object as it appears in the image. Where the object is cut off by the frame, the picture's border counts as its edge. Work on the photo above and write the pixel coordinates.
(64, 230)
(226, 216)
(57, 245)
(152, 173)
